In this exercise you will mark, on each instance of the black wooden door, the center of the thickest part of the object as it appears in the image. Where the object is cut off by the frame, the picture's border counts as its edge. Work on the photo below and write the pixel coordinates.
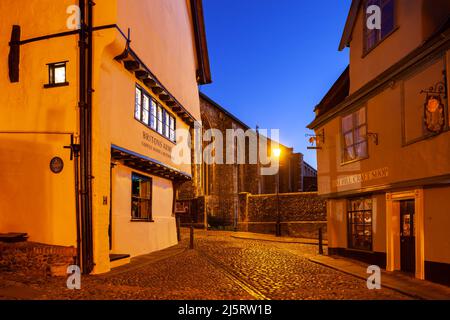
(407, 236)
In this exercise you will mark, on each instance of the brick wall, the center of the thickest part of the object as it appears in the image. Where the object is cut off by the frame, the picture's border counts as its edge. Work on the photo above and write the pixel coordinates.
(301, 214)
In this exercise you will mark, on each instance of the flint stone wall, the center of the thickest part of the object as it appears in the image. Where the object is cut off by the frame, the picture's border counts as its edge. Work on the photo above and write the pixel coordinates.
(301, 214)
(33, 257)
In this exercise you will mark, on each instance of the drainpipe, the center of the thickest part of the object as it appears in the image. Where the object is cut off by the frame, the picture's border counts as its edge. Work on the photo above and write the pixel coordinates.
(90, 91)
(85, 137)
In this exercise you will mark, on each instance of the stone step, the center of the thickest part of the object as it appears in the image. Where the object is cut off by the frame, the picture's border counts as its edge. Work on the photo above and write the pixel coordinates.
(13, 237)
(118, 260)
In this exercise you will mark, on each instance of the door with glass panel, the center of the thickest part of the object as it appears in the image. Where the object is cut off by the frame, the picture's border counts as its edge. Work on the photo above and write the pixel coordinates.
(407, 236)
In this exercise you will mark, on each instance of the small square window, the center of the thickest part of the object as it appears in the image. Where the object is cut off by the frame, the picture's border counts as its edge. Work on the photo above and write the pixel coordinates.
(57, 75)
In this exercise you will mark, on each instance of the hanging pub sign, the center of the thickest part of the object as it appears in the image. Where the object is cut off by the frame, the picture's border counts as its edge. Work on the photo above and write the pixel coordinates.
(56, 165)
(434, 116)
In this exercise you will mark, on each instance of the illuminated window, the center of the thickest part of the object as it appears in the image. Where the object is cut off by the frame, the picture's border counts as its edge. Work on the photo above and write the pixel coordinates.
(138, 104)
(167, 117)
(160, 120)
(153, 115)
(57, 75)
(145, 109)
(172, 129)
(375, 36)
(354, 136)
(141, 198)
(360, 224)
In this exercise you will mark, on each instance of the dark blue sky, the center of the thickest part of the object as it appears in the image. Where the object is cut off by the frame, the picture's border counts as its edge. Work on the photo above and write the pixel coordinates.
(273, 60)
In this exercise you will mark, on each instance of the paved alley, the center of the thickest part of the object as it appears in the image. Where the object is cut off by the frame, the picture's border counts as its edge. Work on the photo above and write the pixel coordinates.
(220, 267)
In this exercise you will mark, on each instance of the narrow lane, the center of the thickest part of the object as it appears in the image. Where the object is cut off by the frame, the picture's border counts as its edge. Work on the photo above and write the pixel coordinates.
(283, 271)
(220, 268)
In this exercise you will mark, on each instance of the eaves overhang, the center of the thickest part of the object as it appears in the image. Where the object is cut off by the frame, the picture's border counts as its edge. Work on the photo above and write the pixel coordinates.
(132, 63)
(350, 24)
(433, 47)
(148, 165)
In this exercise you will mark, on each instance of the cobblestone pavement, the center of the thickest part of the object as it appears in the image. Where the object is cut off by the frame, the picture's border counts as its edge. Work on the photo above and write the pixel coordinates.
(220, 267)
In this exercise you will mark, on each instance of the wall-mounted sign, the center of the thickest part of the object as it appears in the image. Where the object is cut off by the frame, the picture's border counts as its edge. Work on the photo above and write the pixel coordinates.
(56, 165)
(434, 114)
(434, 117)
(156, 145)
(362, 177)
(182, 206)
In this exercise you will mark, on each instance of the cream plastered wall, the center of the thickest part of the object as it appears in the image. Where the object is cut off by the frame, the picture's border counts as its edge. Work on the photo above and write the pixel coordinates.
(137, 238)
(167, 51)
(338, 221)
(162, 36)
(416, 21)
(117, 88)
(437, 224)
(36, 17)
(115, 124)
(32, 199)
(379, 222)
(426, 158)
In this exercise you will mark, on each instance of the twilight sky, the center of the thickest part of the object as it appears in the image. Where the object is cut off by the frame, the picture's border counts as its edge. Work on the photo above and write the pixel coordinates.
(272, 61)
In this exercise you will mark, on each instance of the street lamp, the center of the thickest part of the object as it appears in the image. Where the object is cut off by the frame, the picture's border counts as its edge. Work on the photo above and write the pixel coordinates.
(277, 154)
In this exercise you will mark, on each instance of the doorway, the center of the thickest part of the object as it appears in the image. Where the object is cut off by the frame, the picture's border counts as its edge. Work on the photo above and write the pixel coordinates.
(407, 236)
(405, 247)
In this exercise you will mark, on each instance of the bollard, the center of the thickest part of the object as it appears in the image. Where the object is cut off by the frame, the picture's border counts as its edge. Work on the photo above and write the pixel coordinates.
(178, 224)
(320, 242)
(191, 244)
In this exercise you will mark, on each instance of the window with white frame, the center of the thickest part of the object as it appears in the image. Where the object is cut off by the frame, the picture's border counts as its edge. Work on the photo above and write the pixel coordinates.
(149, 112)
(354, 136)
(360, 224)
(57, 75)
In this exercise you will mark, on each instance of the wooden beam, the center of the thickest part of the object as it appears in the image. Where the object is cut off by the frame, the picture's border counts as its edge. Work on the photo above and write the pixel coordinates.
(122, 56)
(141, 74)
(164, 97)
(157, 90)
(131, 65)
(149, 82)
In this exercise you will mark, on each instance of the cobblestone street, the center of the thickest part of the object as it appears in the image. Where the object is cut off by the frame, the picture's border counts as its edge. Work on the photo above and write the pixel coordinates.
(220, 267)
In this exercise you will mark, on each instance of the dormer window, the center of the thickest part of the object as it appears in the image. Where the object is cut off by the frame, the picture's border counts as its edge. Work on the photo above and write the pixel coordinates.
(372, 37)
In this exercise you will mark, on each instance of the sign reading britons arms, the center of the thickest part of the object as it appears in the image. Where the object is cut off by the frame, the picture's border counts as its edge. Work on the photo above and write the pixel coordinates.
(362, 177)
(156, 145)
